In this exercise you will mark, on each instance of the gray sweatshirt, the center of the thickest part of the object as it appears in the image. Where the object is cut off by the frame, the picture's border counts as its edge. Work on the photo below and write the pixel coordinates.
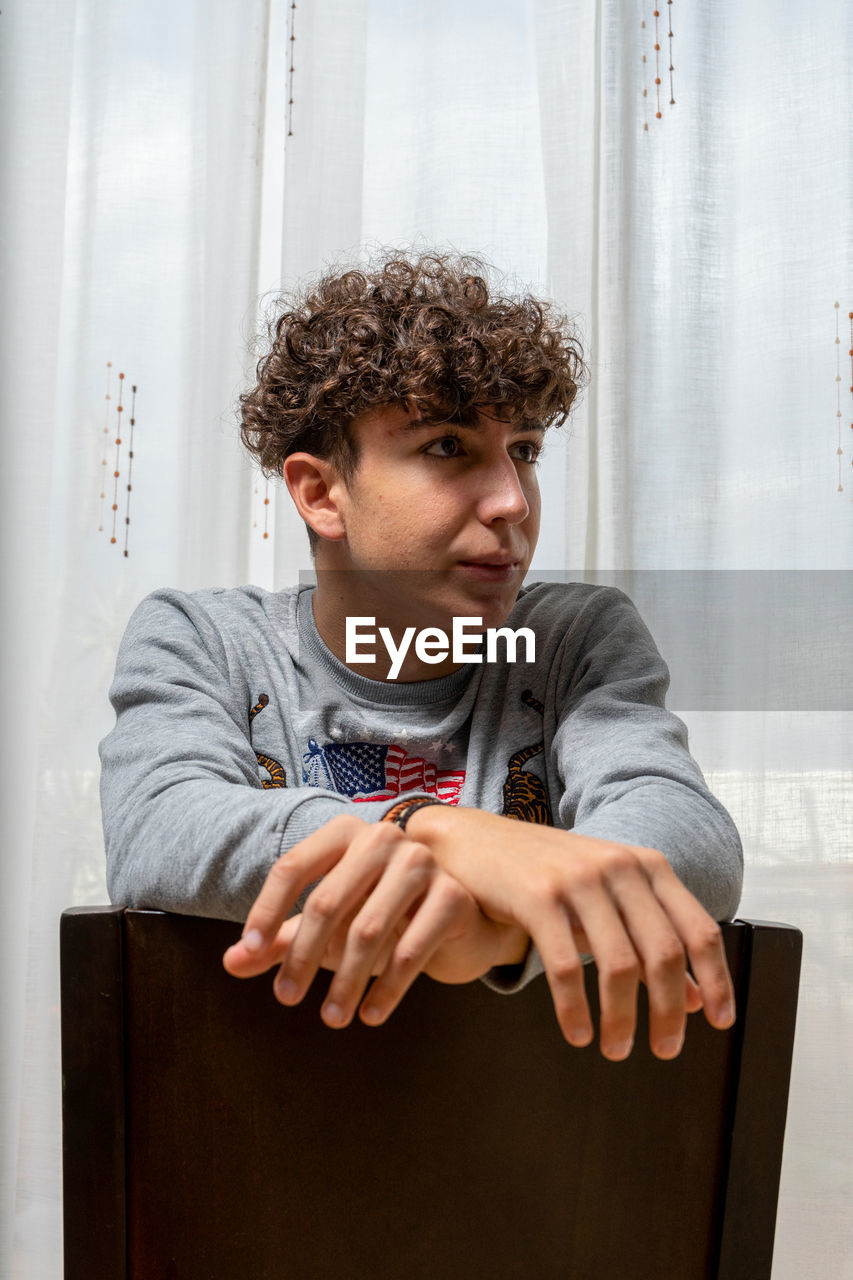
(238, 733)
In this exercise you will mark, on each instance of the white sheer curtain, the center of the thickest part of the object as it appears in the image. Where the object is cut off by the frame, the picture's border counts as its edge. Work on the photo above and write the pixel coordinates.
(155, 195)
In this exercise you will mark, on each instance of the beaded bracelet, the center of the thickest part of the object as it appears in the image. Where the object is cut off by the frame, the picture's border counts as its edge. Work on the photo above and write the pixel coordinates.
(401, 812)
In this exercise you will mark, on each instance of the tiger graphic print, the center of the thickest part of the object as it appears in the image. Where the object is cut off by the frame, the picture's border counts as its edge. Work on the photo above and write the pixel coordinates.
(525, 795)
(277, 776)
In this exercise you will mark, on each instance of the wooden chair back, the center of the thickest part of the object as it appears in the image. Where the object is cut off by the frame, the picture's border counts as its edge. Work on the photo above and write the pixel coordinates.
(210, 1132)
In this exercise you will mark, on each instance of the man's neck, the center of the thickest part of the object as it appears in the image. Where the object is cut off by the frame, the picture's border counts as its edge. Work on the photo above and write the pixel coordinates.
(340, 596)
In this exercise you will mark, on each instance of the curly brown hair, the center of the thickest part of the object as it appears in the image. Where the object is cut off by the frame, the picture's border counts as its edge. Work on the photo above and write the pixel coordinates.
(423, 333)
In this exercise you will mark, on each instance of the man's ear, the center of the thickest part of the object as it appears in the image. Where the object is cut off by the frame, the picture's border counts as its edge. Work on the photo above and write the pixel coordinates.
(314, 484)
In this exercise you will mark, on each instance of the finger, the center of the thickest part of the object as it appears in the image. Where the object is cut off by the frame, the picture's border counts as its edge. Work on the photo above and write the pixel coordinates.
(404, 881)
(333, 958)
(345, 887)
(618, 964)
(702, 939)
(435, 918)
(306, 862)
(245, 964)
(242, 963)
(692, 995)
(662, 959)
(551, 933)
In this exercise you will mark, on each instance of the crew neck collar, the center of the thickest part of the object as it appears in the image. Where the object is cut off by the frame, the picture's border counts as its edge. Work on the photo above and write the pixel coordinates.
(379, 692)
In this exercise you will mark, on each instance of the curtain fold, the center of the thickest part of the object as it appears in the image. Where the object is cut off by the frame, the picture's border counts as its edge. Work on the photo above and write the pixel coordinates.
(131, 142)
(568, 69)
(165, 185)
(323, 187)
(33, 154)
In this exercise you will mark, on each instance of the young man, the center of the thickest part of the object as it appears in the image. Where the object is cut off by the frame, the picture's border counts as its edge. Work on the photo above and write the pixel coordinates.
(463, 811)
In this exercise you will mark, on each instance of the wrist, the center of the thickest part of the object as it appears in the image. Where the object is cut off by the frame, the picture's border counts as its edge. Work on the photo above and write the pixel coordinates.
(514, 945)
(442, 828)
(429, 825)
(447, 828)
(401, 812)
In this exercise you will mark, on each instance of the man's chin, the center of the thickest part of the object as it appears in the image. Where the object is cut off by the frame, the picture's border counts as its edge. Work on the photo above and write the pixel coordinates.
(493, 603)
(434, 597)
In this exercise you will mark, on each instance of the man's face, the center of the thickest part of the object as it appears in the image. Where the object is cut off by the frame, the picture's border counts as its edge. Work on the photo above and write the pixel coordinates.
(440, 521)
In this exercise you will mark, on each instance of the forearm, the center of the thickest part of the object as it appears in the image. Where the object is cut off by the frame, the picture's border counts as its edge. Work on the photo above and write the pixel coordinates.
(621, 759)
(204, 846)
(459, 839)
(188, 825)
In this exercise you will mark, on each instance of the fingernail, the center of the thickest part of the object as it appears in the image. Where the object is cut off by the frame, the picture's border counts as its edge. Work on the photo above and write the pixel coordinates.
(671, 1046)
(579, 1036)
(370, 1013)
(285, 989)
(620, 1051)
(333, 1013)
(727, 1014)
(253, 940)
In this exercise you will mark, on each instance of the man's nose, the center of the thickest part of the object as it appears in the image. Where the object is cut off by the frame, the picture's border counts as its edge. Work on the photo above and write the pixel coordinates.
(502, 496)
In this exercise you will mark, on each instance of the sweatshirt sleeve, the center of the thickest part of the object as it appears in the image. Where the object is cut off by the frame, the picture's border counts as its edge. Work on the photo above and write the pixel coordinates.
(625, 770)
(188, 825)
(623, 760)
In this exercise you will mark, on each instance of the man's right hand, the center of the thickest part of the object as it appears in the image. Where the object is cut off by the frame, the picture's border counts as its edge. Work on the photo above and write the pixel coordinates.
(383, 907)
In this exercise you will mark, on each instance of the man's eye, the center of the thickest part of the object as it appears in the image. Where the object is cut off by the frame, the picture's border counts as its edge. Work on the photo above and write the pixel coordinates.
(527, 451)
(446, 447)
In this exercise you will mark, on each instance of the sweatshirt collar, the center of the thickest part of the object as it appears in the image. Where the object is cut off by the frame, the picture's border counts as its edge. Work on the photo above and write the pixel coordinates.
(388, 693)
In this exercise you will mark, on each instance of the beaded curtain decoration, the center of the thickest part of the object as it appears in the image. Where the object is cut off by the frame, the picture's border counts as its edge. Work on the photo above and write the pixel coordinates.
(266, 506)
(129, 469)
(290, 95)
(120, 407)
(291, 69)
(657, 51)
(106, 434)
(838, 414)
(116, 473)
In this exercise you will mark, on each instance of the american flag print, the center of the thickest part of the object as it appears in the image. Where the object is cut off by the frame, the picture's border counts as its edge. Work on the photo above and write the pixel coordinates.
(376, 771)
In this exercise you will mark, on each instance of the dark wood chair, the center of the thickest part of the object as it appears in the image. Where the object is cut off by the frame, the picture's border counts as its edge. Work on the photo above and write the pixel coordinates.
(210, 1133)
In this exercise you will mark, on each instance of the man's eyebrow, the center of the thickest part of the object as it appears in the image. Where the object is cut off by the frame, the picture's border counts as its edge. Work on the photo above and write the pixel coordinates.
(432, 424)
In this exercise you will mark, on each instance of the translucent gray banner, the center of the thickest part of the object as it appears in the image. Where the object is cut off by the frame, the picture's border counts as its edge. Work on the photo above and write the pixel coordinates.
(744, 639)
(741, 639)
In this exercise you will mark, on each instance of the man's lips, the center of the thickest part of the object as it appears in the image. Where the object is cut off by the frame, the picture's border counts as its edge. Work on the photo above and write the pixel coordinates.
(491, 568)
(501, 558)
(501, 561)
